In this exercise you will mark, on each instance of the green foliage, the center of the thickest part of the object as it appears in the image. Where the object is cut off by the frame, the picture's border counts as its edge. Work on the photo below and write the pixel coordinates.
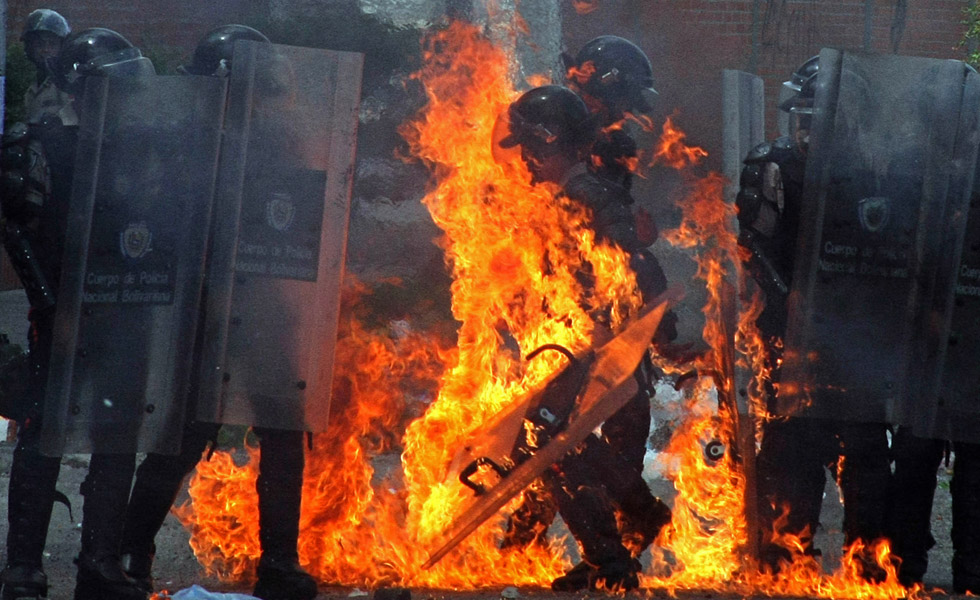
(971, 37)
(236, 436)
(20, 74)
(165, 58)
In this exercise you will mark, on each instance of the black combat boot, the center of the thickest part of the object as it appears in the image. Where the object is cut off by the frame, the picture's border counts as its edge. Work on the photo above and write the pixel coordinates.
(23, 581)
(106, 492)
(158, 481)
(280, 491)
(138, 566)
(618, 575)
(965, 489)
(31, 496)
(589, 515)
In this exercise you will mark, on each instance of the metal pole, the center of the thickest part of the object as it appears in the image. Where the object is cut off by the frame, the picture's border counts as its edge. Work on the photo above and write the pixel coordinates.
(3, 62)
(754, 55)
(869, 15)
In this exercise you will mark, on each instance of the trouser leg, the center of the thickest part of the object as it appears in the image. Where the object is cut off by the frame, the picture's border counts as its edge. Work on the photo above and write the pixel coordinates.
(865, 480)
(588, 512)
(30, 499)
(280, 491)
(159, 479)
(912, 492)
(643, 514)
(791, 479)
(106, 495)
(965, 489)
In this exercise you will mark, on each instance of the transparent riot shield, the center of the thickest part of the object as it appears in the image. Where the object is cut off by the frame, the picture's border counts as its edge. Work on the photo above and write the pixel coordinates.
(950, 407)
(892, 152)
(280, 234)
(128, 302)
(503, 457)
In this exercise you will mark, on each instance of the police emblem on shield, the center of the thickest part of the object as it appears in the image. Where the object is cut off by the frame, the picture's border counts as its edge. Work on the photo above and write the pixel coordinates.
(873, 213)
(279, 211)
(134, 241)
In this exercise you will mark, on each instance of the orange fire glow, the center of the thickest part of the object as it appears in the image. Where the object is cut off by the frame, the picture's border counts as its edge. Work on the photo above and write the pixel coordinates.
(376, 494)
(584, 7)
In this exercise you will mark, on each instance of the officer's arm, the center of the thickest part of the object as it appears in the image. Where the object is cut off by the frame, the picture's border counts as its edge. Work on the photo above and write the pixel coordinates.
(759, 203)
(24, 181)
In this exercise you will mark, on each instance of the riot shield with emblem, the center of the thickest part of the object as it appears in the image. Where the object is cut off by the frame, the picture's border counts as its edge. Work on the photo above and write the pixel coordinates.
(128, 302)
(893, 145)
(278, 250)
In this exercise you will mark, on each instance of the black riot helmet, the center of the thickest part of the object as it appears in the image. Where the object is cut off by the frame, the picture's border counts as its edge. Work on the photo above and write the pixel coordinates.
(45, 19)
(792, 87)
(44, 32)
(548, 120)
(98, 51)
(616, 72)
(213, 53)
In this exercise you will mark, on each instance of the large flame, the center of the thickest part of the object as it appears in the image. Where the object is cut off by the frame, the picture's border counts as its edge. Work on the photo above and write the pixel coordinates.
(515, 251)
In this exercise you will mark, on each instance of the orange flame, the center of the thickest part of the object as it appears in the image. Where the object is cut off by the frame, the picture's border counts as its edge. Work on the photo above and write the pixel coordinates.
(673, 152)
(374, 499)
(708, 529)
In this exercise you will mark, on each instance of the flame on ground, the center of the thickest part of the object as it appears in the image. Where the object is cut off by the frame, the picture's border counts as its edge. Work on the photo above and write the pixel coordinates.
(514, 251)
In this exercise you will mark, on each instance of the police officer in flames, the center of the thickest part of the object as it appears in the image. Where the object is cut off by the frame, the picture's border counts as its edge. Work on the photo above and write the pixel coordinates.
(552, 127)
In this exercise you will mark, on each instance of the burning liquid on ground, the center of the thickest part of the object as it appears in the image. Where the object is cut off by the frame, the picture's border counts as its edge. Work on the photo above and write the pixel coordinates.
(377, 495)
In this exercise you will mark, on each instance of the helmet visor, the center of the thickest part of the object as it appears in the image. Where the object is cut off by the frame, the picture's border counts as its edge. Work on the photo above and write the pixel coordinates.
(505, 143)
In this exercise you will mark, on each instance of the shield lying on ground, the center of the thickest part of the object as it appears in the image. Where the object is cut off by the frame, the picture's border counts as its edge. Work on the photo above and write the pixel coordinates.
(280, 234)
(561, 413)
(134, 261)
(892, 151)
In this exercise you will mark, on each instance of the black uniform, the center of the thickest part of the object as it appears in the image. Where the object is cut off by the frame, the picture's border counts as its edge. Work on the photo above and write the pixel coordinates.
(605, 475)
(796, 449)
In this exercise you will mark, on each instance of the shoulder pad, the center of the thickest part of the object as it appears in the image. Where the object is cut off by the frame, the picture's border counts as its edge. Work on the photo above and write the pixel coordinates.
(15, 134)
(777, 151)
(783, 144)
(759, 154)
(596, 192)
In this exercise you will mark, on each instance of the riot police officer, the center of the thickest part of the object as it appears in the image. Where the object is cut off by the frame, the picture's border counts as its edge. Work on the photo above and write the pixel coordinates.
(614, 77)
(279, 485)
(552, 127)
(38, 162)
(796, 449)
(44, 32)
